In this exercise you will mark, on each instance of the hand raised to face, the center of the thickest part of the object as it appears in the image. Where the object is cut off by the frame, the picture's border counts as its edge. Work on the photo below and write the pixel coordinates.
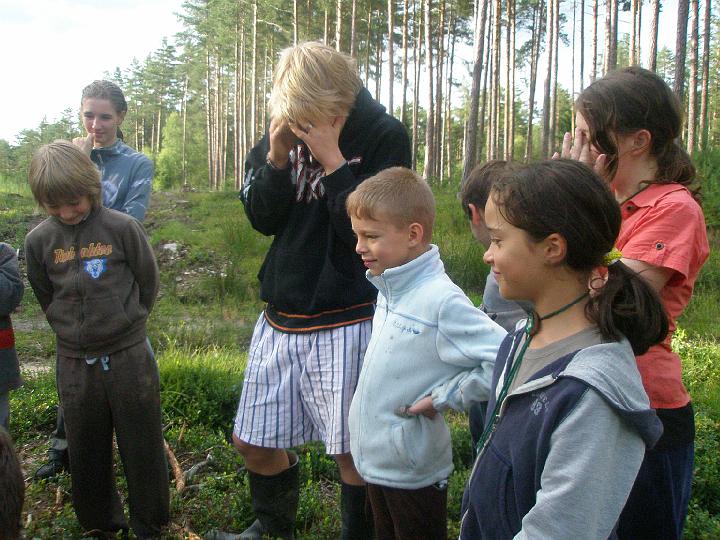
(322, 137)
(282, 140)
(85, 143)
(580, 149)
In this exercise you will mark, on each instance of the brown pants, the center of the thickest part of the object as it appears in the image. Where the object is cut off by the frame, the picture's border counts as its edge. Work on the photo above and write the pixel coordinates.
(409, 514)
(122, 394)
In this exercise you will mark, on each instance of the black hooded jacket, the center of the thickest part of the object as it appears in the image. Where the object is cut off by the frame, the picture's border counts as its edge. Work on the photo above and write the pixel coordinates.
(311, 277)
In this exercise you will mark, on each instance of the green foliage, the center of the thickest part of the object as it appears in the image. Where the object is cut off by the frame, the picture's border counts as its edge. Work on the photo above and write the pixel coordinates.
(200, 386)
(708, 167)
(33, 406)
(169, 163)
(460, 253)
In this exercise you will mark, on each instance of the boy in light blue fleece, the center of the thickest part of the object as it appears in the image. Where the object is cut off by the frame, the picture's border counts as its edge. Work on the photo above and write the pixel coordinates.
(430, 350)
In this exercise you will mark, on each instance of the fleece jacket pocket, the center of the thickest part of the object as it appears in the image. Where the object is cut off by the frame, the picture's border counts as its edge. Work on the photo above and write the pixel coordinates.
(104, 318)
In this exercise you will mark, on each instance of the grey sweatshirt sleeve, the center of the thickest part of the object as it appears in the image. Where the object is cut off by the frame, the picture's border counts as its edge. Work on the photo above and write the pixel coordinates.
(11, 284)
(141, 260)
(593, 461)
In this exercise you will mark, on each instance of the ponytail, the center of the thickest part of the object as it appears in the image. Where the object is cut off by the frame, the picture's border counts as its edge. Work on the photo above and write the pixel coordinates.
(628, 306)
(119, 134)
(675, 166)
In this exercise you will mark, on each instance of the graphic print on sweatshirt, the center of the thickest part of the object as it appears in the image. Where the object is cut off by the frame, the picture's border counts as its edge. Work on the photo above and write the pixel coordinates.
(93, 257)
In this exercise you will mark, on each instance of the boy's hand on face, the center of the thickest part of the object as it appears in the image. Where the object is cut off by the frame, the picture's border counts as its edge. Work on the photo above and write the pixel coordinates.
(423, 406)
(322, 139)
(282, 140)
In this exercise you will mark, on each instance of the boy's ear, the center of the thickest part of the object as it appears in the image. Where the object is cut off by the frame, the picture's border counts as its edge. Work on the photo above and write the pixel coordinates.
(555, 249)
(477, 216)
(416, 233)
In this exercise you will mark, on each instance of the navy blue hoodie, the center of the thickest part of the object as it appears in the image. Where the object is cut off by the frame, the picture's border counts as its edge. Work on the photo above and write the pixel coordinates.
(566, 449)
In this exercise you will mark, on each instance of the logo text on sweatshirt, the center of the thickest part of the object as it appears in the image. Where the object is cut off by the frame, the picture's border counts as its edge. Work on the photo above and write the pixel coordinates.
(93, 250)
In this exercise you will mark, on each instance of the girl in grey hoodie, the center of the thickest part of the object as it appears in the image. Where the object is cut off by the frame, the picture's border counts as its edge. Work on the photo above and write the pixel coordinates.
(569, 419)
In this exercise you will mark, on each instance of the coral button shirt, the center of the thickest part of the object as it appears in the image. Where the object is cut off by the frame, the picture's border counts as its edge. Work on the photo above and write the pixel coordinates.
(664, 226)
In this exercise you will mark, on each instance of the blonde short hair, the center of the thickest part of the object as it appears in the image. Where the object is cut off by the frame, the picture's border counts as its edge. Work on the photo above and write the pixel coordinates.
(398, 195)
(313, 81)
(61, 172)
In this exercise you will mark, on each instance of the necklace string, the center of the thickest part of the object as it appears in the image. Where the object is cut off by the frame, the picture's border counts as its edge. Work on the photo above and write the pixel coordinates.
(636, 193)
(532, 327)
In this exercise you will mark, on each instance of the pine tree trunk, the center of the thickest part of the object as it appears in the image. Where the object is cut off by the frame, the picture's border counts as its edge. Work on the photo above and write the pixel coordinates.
(536, 38)
(594, 73)
(471, 127)
(582, 46)
(439, 70)
(378, 68)
(484, 139)
(253, 75)
(417, 30)
(237, 106)
(705, 78)
(547, 97)
(430, 127)
(391, 54)
(353, 20)
(184, 134)
(633, 32)
(367, 49)
(448, 102)
(338, 24)
(652, 54)
(208, 123)
(553, 101)
(295, 22)
(680, 49)
(692, 83)
(325, 28)
(403, 108)
(495, 101)
(509, 70)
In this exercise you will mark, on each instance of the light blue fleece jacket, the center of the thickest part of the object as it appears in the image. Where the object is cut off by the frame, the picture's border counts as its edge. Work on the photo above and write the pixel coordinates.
(427, 339)
(127, 177)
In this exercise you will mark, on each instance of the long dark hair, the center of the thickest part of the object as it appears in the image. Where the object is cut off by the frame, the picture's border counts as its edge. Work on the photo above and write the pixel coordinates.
(632, 99)
(566, 197)
(110, 91)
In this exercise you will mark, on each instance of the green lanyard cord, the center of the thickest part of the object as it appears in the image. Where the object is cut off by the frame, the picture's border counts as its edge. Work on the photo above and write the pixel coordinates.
(532, 326)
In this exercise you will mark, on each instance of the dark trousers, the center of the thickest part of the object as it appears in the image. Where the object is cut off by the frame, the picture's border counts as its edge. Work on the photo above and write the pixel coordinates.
(409, 514)
(58, 442)
(122, 394)
(658, 503)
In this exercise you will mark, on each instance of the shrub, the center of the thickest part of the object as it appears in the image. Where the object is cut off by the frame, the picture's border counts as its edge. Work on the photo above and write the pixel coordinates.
(201, 387)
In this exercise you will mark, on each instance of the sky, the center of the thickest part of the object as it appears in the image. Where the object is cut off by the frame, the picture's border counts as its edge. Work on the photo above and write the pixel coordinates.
(53, 48)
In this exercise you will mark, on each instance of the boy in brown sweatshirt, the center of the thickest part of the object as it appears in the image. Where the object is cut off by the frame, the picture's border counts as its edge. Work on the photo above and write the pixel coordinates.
(95, 277)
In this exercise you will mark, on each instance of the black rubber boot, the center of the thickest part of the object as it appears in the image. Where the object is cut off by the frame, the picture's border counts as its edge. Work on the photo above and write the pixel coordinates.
(275, 501)
(357, 519)
(56, 463)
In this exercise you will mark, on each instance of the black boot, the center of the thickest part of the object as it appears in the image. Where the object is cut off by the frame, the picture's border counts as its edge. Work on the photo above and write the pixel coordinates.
(357, 519)
(57, 462)
(275, 501)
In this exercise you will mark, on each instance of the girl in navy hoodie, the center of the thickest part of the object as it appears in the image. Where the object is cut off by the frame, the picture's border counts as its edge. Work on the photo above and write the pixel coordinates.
(569, 420)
